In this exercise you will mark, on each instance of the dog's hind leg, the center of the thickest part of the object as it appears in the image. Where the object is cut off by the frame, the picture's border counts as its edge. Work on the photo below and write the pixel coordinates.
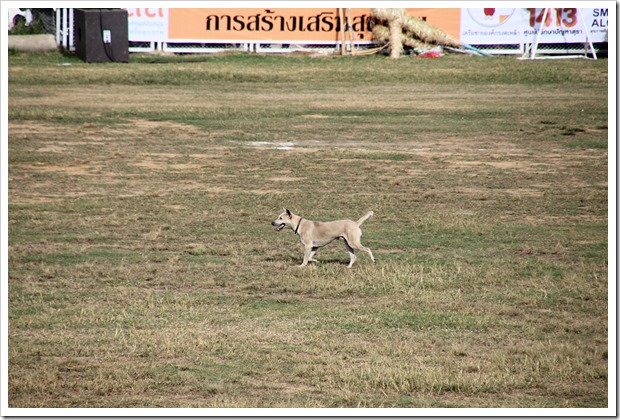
(356, 244)
(351, 253)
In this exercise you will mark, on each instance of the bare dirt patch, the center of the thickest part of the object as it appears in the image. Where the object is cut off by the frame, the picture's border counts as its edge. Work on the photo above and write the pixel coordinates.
(84, 169)
(285, 179)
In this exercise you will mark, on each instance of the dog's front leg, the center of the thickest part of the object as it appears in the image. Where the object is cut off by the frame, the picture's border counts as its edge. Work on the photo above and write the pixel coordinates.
(307, 255)
(312, 254)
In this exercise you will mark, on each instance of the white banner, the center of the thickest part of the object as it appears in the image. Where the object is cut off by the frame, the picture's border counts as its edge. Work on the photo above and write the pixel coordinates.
(490, 26)
(148, 24)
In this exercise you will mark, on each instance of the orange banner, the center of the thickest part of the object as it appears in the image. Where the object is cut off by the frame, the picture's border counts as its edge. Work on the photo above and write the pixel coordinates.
(286, 25)
(448, 20)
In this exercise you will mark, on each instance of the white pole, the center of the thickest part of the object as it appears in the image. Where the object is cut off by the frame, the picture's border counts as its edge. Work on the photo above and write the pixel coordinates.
(58, 39)
(65, 42)
(587, 31)
(542, 25)
(70, 30)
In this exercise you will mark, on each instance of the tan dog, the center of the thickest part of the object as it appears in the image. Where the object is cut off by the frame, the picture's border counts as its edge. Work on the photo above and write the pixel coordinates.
(317, 234)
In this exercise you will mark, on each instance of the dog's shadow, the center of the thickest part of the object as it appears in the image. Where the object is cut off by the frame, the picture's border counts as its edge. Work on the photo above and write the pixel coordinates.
(297, 261)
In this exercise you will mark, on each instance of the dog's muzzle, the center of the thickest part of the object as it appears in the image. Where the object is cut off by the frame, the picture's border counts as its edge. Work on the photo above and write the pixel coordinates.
(279, 227)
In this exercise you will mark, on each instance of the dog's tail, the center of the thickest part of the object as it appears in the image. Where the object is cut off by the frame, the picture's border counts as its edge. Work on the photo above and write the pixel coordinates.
(364, 218)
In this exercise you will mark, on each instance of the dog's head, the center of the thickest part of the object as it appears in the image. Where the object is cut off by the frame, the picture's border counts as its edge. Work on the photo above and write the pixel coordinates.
(283, 220)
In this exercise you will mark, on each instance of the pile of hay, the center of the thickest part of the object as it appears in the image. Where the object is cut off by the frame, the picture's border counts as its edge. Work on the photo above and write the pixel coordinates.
(397, 28)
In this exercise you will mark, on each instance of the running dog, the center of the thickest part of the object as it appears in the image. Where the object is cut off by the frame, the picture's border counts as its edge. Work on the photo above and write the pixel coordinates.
(314, 235)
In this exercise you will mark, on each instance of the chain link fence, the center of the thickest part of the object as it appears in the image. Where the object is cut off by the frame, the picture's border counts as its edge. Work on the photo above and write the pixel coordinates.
(543, 48)
(26, 21)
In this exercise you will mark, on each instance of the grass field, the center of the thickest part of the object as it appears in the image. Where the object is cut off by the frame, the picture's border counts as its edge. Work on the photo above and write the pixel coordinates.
(144, 272)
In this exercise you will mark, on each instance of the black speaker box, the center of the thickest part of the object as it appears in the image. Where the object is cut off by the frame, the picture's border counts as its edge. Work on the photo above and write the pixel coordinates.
(101, 35)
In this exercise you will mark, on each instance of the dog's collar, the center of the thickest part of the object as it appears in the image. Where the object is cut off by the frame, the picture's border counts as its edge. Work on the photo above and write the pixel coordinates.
(298, 224)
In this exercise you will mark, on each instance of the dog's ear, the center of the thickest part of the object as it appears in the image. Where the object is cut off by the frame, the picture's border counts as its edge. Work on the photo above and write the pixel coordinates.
(288, 212)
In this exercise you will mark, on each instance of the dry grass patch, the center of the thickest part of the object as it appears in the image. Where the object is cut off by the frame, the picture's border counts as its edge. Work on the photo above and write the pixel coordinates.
(144, 272)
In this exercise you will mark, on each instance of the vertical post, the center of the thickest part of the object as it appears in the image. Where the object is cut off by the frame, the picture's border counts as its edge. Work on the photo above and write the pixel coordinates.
(587, 31)
(350, 29)
(542, 25)
(58, 31)
(70, 33)
(65, 38)
(342, 39)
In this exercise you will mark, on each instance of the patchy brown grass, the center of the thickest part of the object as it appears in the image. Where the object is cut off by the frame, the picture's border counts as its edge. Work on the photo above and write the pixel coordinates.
(143, 271)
